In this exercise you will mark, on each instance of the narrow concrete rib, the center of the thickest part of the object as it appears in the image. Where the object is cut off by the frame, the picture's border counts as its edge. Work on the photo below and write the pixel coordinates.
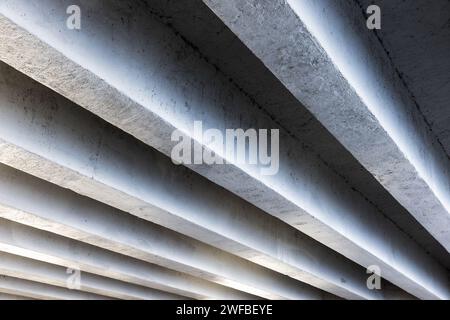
(37, 271)
(24, 199)
(118, 170)
(6, 296)
(41, 291)
(44, 246)
(342, 219)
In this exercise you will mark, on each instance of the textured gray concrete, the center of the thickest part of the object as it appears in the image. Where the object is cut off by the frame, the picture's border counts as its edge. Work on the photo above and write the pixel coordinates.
(214, 42)
(33, 270)
(129, 183)
(41, 291)
(48, 247)
(368, 109)
(24, 199)
(5, 296)
(416, 33)
(342, 219)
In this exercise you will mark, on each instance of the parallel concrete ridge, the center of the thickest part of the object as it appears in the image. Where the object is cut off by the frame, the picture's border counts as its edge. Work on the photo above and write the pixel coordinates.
(39, 245)
(6, 296)
(368, 108)
(23, 199)
(129, 183)
(28, 269)
(87, 182)
(41, 291)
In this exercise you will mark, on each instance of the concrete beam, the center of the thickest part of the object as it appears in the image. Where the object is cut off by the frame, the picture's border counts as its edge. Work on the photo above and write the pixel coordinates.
(40, 245)
(118, 170)
(37, 271)
(113, 82)
(369, 110)
(198, 25)
(24, 199)
(41, 291)
(6, 296)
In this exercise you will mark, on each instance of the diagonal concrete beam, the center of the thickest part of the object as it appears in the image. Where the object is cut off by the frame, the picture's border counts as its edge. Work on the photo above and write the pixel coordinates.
(24, 199)
(37, 271)
(48, 247)
(113, 82)
(147, 184)
(198, 25)
(41, 291)
(6, 296)
(368, 108)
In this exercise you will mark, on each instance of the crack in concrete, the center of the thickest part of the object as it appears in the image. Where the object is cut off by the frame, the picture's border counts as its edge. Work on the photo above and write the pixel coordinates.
(403, 81)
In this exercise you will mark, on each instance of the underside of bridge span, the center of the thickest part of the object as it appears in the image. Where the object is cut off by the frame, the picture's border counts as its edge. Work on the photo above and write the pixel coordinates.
(231, 150)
